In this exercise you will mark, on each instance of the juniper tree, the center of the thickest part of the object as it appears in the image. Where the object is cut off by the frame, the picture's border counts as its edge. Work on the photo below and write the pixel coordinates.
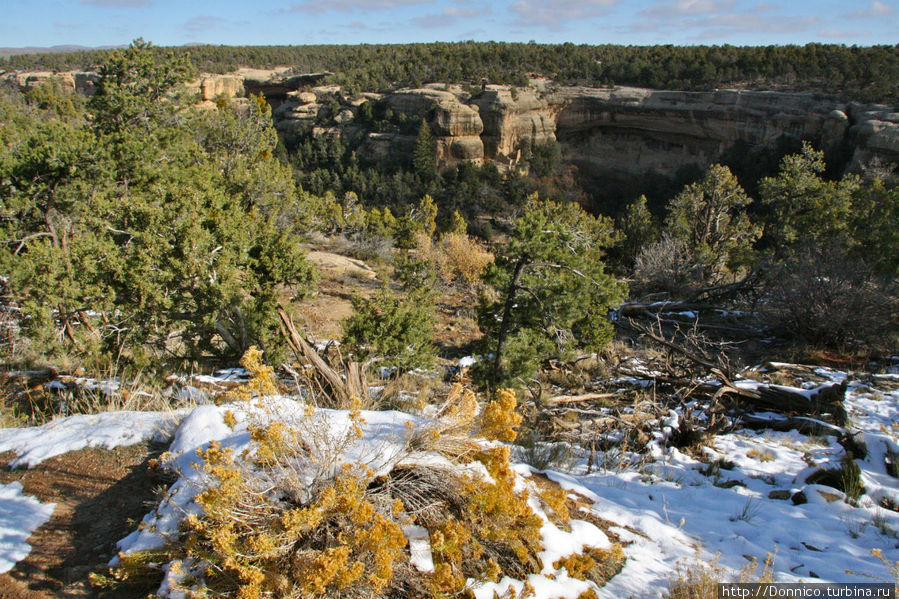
(709, 217)
(143, 215)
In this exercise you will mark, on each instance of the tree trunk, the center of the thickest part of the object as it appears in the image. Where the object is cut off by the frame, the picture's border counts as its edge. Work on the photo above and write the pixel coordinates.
(507, 313)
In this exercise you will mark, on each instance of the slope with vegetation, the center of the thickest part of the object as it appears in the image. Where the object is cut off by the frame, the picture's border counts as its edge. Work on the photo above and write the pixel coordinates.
(147, 239)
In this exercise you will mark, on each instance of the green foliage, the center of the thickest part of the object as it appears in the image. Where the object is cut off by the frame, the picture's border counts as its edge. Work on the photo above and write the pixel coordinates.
(545, 159)
(397, 329)
(867, 73)
(424, 155)
(132, 86)
(420, 219)
(638, 228)
(874, 232)
(805, 207)
(552, 293)
(52, 96)
(414, 272)
(151, 224)
(709, 217)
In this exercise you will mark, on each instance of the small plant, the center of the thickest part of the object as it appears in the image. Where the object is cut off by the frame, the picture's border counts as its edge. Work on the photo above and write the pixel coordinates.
(545, 456)
(893, 567)
(762, 455)
(851, 480)
(598, 565)
(700, 581)
(748, 513)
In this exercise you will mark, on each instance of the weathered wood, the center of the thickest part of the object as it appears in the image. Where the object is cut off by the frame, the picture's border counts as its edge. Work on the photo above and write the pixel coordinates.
(305, 352)
(826, 399)
(563, 399)
(803, 424)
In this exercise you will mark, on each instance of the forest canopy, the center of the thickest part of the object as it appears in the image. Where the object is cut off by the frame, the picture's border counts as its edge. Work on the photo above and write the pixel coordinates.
(864, 73)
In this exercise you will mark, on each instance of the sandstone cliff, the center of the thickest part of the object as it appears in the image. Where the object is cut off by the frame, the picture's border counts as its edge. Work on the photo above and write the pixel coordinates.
(626, 131)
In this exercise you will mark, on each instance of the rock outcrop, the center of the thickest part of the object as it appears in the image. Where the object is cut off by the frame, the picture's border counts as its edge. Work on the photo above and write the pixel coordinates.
(509, 118)
(211, 87)
(78, 81)
(874, 138)
(631, 130)
(622, 131)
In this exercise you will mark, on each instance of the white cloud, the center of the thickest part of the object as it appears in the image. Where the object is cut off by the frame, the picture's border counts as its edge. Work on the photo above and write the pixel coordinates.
(842, 34)
(875, 9)
(718, 19)
(554, 13)
(451, 14)
(687, 8)
(317, 6)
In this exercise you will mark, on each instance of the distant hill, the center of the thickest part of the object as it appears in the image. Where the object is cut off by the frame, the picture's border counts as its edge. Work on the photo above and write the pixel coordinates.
(7, 52)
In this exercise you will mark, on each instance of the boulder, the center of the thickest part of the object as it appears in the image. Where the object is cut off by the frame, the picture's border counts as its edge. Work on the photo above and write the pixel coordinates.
(213, 86)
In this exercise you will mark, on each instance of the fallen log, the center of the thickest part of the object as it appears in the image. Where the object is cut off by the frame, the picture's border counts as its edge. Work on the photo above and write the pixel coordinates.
(825, 399)
(563, 399)
(803, 424)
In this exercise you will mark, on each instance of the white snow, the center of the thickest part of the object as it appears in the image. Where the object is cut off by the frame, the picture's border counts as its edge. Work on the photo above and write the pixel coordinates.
(19, 516)
(672, 509)
(108, 429)
(419, 548)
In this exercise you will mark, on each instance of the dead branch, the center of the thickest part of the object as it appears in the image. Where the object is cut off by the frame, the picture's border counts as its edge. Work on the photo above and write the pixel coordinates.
(826, 399)
(564, 399)
(342, 390)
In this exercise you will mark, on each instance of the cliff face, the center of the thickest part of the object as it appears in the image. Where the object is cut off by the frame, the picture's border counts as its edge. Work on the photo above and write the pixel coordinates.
(632, 131)
(622, 131)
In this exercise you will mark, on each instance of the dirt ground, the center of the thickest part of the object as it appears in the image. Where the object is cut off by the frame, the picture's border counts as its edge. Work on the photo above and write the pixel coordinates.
(100, 495)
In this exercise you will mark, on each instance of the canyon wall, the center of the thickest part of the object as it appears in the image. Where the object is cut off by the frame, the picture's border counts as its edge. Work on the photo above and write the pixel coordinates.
(622, 131)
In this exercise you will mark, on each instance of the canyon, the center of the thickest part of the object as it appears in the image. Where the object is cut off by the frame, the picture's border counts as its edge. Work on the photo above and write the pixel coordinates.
(620, 131)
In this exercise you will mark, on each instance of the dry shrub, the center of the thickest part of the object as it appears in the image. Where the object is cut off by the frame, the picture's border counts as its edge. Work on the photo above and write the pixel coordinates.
(285, 520)
(459, 260)
(822, 296)
(700, 581)
(598, 565)
(464, 259)
(667, 266)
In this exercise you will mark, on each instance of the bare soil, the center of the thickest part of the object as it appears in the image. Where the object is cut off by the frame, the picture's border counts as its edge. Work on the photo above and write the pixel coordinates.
(100, 495)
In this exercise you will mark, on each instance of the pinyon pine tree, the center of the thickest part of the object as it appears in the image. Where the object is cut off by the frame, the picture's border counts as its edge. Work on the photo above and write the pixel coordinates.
(552, 293)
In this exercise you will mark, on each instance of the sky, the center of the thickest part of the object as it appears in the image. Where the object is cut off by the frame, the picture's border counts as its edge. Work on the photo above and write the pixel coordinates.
(266, 22)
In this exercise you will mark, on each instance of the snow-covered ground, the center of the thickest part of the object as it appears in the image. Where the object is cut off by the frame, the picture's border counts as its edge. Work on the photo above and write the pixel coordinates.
(672, 509)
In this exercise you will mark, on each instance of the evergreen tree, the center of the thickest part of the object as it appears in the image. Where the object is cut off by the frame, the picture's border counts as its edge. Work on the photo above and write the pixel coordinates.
(709, 216)
(146, 216)
(552, 293)
(638, 228)
(805, 207)
(397, 329)
(424, 155)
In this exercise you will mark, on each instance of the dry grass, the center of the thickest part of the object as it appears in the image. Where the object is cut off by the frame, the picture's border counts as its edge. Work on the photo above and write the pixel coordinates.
(762, 455)
(700, 580)
(29, 402)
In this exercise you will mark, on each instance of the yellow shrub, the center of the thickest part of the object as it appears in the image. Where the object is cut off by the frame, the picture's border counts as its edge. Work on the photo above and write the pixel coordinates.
(593, 564)
(463, 259)
(499, 418)
(262, 378)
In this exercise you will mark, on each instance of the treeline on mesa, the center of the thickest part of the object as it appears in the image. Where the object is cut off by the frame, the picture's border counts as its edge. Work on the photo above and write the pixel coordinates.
(864, 73)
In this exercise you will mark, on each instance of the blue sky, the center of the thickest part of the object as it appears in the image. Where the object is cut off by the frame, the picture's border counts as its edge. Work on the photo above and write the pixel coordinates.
(174, 22)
